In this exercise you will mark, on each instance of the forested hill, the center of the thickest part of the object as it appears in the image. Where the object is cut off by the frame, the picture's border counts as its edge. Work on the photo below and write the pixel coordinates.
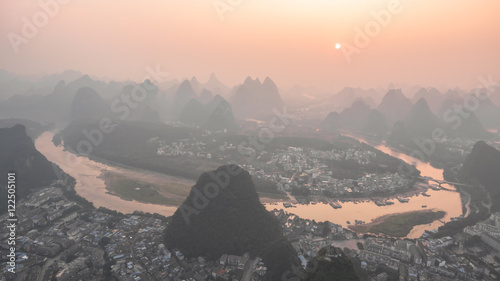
(225, 216)
(19, 155)
(483, 165)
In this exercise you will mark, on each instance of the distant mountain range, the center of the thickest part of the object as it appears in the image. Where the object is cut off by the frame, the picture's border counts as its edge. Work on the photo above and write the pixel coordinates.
(359, 117)
(144, 108)
(216, 87)
(421, 121)
(432, 96)
(71, 95)
(183, 95)
(376, 123)
(87, 104)
(348, 95)
(487, 112)
(461, 125)
(395, 106)
(256, 100)
(355, 116)
(216, 115)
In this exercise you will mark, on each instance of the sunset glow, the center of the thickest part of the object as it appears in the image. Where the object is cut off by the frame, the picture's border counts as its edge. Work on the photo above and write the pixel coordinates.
(287, 40)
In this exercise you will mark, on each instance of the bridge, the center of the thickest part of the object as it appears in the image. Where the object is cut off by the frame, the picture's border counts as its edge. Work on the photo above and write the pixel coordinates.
(440, 182)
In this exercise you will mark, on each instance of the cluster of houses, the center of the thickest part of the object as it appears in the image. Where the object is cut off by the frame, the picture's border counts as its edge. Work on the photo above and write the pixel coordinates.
(488, 230)
(59, 239)
(421, 259)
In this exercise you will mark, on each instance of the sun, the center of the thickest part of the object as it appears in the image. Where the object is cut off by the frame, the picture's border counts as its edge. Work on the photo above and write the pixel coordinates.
(337, 46)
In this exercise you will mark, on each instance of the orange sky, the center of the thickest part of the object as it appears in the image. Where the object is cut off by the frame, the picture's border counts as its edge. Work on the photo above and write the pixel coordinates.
(428, 42)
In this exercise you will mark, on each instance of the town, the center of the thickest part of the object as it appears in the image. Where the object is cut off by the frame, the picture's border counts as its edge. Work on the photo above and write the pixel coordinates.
(304, 172)
(62, 237)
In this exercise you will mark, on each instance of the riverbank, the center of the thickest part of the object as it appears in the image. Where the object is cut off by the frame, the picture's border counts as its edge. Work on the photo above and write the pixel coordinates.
(154, 177)
(417, 190)
(128, 188)
(91, 182)
(399, 224)
(90, 186)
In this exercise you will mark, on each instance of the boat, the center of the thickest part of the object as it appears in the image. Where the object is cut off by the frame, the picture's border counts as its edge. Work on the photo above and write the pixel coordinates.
(403, 200)
(335, 205)
(383, 202)
(424, 206)
(358, 222)
(434, 187)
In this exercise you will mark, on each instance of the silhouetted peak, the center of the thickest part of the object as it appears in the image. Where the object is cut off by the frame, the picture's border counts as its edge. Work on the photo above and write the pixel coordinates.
(333, 114)
(422, 104)
(452, 93)
(434, 91)
(237, 174)
(421, 91)
(218, 98)
(348, 89)
(147, 82)
(60, 84)
(249, 81)
(194, 81)
(376, 112)
(84, 78)
(185, 88)
(214, 84)
(394, 93)
(480, 146)
(255, 100)
(268, 81)
(185, 84)
(149, 86)
(127, 89)
(270, 85)
(19, 128)
(85, 91)
(360, 104)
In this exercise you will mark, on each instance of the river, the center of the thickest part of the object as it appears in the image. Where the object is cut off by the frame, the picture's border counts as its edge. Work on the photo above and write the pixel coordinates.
(90, 186)
(448, 201)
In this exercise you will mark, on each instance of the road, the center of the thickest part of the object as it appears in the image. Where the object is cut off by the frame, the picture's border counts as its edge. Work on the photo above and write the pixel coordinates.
(247, 273)
(292, 198)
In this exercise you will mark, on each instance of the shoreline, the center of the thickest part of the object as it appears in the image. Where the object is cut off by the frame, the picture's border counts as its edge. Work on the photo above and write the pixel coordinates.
(415, 191)
(365, 228)
(178, 179)
(119, 166)
(106, 175)
(88, 184)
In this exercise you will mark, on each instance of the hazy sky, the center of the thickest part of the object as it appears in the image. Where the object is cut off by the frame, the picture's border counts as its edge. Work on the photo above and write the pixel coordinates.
(425, 42)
